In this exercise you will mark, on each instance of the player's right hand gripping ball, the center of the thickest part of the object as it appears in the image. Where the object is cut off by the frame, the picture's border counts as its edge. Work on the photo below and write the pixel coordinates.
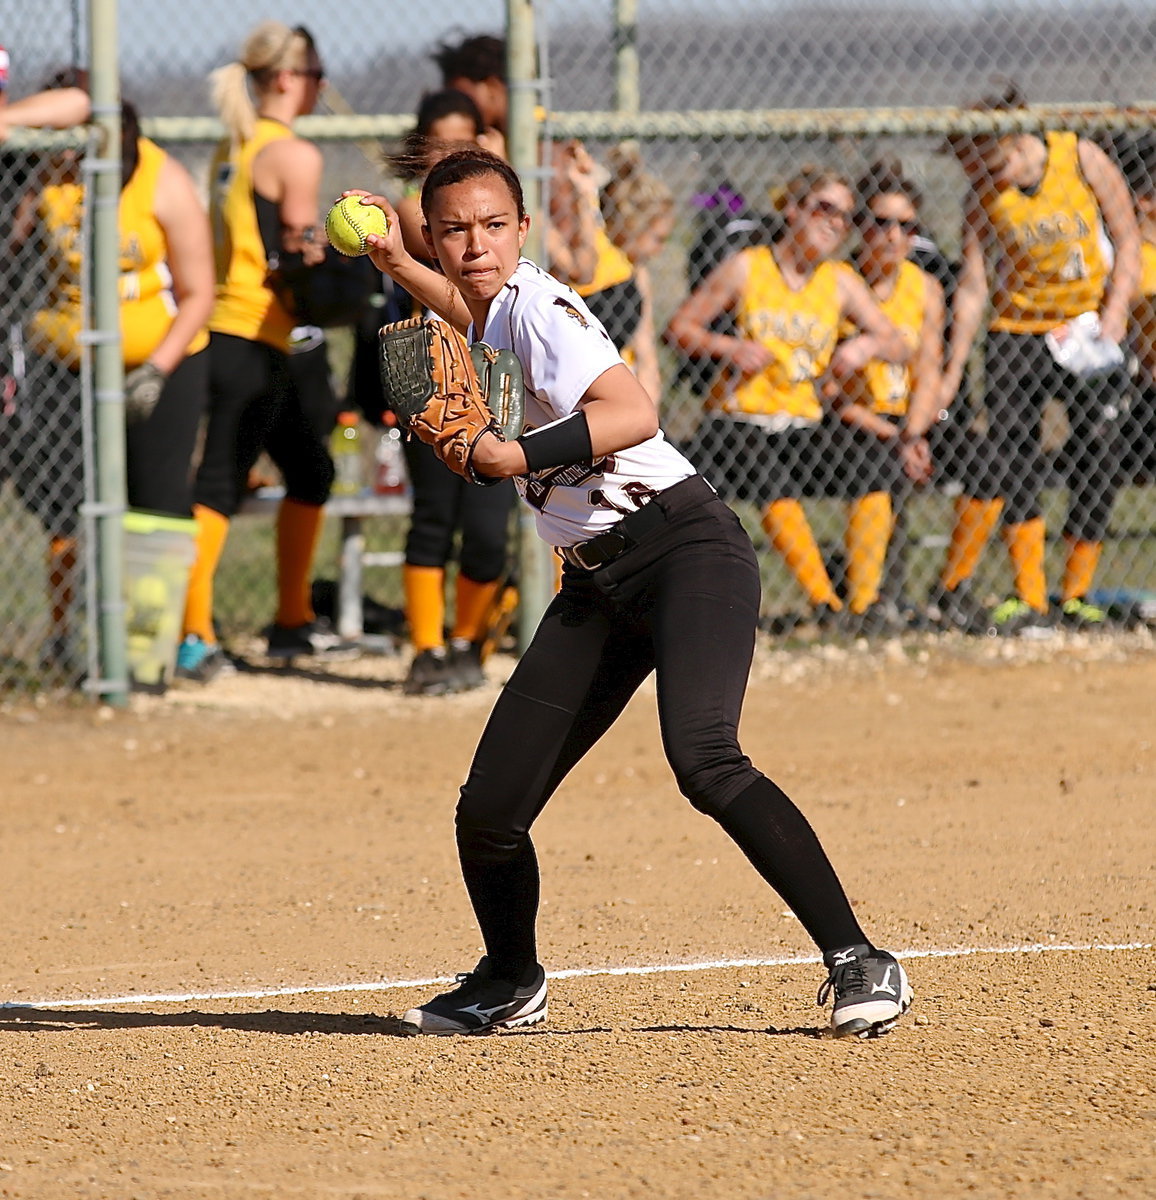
(429, 380)
(349, 222)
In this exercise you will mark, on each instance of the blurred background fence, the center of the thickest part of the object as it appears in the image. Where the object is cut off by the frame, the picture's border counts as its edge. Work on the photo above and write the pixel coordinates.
(724, 103)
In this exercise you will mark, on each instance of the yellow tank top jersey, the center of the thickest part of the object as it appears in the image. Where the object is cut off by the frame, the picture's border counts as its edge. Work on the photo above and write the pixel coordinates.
(147, 304)
(245, 305)
(798, 327)
(1147, 269)
(885, 387)
(613, 267)
(1052, 263)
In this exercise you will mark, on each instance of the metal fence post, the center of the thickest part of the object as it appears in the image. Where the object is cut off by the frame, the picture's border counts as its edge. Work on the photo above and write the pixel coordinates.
(102, 175)
(536, 575)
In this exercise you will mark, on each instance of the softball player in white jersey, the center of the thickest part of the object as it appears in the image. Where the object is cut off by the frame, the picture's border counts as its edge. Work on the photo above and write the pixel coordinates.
(659, 576)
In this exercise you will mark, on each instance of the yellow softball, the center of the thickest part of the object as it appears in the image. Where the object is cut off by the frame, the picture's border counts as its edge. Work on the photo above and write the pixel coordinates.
(349, 222)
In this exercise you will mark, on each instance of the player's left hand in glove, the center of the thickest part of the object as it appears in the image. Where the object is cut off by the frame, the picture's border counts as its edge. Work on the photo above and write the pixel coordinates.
(448, 395)
(142, 389)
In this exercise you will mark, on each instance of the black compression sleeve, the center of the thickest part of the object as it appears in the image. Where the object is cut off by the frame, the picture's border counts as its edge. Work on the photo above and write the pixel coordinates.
(558, 444)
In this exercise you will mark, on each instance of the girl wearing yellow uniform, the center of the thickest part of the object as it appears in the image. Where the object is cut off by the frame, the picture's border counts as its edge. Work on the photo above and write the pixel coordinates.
(1036, 216)
(166, 291)
(888, 408)
(763, 439)
(264, 203)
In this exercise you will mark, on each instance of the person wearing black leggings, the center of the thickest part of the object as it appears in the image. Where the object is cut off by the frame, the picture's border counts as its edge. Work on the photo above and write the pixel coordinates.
(659, 576)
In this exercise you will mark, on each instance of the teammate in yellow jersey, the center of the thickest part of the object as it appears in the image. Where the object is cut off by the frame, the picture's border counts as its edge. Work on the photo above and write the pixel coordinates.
(1037, 222)
(166, 292)
(763, 439)
(264, 204)
(888, 408)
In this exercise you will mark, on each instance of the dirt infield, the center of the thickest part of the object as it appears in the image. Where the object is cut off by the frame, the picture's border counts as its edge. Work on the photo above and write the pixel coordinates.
(280, 830)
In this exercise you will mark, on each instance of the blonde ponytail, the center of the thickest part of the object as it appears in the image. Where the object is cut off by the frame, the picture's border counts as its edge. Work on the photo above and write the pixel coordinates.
(269, 48)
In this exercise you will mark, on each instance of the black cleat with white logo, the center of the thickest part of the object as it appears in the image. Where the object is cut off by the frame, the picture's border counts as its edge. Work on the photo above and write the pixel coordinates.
(870, 989)
(480, 1004)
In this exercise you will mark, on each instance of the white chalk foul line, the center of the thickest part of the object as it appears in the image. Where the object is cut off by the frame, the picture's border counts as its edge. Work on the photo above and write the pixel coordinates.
(722, 964)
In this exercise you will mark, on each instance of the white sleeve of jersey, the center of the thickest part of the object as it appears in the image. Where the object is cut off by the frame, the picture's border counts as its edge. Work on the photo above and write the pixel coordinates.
(564, 350)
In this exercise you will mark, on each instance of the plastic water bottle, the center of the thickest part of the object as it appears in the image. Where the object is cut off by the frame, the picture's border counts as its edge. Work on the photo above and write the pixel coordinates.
(345, 450)
(390, 477)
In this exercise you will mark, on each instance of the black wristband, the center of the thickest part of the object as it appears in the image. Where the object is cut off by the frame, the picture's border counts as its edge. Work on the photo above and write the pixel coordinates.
(558, 444)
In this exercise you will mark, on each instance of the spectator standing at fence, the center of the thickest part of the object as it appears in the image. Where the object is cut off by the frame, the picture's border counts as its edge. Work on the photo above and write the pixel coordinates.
(166, 292)
(763, 439)
(445, 507)
(660, 577)
(1035, 219)
(618, 228)
(888, 408)
(264, 200)
(477, 66)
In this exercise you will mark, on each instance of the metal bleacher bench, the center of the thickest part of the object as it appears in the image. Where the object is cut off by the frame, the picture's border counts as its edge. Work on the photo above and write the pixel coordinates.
(351, 511)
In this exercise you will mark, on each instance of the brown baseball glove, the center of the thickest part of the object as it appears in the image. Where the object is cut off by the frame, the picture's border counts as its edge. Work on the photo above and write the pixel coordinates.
(430, 382)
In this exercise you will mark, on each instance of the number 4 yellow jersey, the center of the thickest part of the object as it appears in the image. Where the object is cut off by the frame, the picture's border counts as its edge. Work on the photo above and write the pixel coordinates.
(1053, 260)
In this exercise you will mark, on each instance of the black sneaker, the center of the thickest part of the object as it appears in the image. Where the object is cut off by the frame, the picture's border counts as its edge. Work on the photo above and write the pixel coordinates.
(879, 620)
(201, 661)
(430, 674)
(871, 991)
(315, 640)
(466, 664)
(1014, 617)
(957, 609)
(480, 1004)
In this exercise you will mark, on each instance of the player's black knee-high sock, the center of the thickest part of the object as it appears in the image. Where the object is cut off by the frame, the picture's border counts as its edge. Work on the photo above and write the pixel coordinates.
(781, 844)
(505, 899)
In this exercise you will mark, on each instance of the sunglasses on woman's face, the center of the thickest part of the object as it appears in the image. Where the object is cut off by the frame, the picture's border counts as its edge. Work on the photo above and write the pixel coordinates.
(886, 224)
(830, 211)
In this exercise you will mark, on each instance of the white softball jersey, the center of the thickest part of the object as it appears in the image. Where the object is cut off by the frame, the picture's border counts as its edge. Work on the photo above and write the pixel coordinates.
(563, 349)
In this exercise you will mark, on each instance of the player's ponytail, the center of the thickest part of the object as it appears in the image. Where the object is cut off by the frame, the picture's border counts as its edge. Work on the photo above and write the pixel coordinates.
(271, 47)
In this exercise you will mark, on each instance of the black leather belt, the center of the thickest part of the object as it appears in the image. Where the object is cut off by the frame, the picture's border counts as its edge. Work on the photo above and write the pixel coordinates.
(606, 547)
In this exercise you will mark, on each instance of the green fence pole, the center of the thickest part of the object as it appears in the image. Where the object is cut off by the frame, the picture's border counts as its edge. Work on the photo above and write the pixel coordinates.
(536, 568)
(102, 190)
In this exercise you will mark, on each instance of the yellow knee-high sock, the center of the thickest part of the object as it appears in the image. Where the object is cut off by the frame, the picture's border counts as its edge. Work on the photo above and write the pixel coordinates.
(212, 530)
(787, 527)
(61, 581)
(425, 605)
(298, 529)
(1025, 543)
(471, 604)
(974, 521)
(869, 526)
(1080, 568)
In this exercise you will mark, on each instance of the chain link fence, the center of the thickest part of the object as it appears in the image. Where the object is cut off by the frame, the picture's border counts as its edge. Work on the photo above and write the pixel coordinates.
(778, 138)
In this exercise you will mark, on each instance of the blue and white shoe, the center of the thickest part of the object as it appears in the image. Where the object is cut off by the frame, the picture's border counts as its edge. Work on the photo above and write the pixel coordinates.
(201, 661)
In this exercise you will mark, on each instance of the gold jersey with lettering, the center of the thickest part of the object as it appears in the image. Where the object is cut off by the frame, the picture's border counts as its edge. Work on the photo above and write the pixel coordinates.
(799, 328)
(1052, 260)
(147, 304)
(612, 266)
(884, 387)
(245, 304)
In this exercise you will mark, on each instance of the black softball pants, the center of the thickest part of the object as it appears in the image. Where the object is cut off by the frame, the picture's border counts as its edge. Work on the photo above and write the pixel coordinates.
(254, 406)
(443, 504)
(1021, 376)
(683, 603)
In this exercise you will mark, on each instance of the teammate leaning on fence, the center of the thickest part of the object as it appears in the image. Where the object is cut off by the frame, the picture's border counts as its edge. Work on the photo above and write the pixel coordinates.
(888, 408)
(264, 202)
(166, 292)
(1036, 216)
(659, 577)
(446, 509)
(763, 439)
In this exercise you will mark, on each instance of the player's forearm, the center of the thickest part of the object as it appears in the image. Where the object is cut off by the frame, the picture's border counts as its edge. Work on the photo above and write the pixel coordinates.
(431, 290)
